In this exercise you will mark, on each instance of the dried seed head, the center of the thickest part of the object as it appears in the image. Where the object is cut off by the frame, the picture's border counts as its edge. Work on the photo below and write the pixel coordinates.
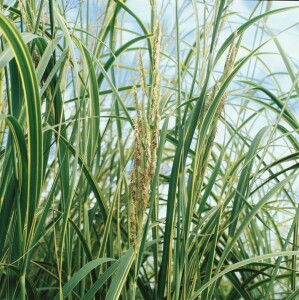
(133, 186)
(142, 76)
(155, 139)
(156, 48)
(156, 97)
(138, 146)
(156, 62)
(147, 143)
(135, 99)
(134, 195)
(211, 97)
(146, 139)
(138, 131)
(133, 224)
(231, 57)
(153, 164)
(144, 183)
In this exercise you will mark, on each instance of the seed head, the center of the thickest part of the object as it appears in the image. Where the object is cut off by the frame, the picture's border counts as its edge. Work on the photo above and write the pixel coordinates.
(231, 57)
(146, 133)
(142, 76)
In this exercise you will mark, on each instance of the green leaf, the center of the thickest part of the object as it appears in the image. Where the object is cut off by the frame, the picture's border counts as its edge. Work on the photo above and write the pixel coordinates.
(78, 276)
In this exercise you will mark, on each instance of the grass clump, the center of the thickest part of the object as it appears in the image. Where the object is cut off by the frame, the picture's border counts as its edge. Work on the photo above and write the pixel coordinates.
(147, 158)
